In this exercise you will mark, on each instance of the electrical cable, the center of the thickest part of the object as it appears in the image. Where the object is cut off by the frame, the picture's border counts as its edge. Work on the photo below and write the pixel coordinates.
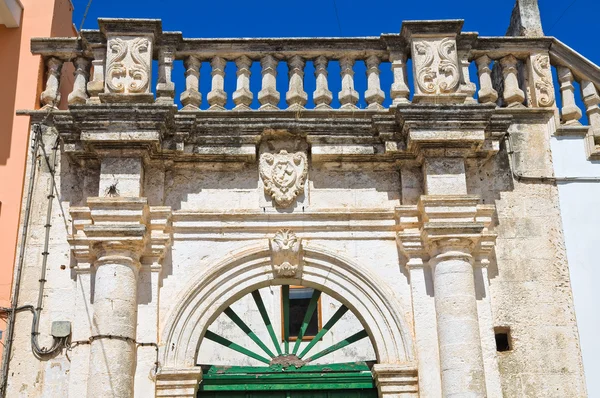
(521, 177)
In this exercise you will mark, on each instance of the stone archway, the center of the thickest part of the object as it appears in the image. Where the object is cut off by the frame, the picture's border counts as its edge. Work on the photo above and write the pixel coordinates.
(212, 291)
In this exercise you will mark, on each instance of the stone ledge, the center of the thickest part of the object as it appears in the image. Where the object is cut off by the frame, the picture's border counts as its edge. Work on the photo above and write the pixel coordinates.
(178, 383)
(396, 380)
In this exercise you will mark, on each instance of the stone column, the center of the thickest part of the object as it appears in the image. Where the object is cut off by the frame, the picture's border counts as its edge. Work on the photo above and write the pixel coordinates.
(461, 361)
(452, 231)
(115, 234)
(113, 343)
(447, 230)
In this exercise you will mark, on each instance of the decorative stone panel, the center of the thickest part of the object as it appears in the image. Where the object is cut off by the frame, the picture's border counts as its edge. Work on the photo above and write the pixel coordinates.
(436, 67)
(541, 89)
(128, 65)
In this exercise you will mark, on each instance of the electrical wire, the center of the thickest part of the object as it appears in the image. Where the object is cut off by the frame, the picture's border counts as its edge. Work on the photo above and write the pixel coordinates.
(521, 177)
(561, 15)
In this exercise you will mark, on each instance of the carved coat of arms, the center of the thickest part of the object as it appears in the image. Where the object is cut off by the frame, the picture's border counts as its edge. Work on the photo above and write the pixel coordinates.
(283, 175)
(285, 252)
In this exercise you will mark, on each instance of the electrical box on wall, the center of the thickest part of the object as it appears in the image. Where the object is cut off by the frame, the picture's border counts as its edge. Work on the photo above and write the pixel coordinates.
(61, 329)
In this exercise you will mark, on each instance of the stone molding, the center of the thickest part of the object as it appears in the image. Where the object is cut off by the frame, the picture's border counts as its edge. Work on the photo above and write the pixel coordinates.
(178, 383)
(440, 224)
(120, 226)
(213, 289)
(396, 381)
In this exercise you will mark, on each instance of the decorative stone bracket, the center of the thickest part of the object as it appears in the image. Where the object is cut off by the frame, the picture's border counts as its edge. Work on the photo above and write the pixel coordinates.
(286, 254)
(438, 220)
(124, 224)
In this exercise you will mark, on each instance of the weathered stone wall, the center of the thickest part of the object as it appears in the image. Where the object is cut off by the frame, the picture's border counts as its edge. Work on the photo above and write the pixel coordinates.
(529, 277)
(435, 221)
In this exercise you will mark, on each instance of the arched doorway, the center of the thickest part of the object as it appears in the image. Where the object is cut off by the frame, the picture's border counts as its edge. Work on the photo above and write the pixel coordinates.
(211, 292)
(292, 360)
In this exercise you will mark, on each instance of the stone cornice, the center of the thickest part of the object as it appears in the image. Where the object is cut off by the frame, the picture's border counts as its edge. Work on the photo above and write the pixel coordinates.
(407, 132)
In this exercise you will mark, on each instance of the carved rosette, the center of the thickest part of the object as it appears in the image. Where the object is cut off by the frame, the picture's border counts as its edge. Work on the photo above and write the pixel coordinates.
(542, 80)
(286, 254)
(283, 175)
(128, 65)
(436, 66)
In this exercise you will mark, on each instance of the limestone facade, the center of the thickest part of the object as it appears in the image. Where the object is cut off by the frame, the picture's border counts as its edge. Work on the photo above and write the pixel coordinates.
(419, 215)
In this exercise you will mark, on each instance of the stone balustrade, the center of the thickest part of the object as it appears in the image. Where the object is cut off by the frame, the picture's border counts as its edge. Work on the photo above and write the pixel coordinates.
(429, 61)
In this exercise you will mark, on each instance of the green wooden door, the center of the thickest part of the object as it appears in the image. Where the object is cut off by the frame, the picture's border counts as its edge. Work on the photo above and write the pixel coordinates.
(288, 371)
(370, 393)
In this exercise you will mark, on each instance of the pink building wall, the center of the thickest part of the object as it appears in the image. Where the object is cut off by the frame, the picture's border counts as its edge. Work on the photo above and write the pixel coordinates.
(21, 83)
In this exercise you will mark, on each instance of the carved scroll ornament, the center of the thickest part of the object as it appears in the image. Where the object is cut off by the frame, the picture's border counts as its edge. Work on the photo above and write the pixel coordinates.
(543, 80)
(128, 69)
(283, 175)
(436, 66)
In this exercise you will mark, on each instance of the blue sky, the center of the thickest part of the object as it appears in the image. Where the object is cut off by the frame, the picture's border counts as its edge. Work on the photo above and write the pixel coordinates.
(573, 22)
(578, 24)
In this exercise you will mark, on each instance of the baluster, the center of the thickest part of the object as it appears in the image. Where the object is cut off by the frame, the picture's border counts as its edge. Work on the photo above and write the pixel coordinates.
(591, 99)
(399, 91)
(513, 95)
(242, 97)
(374, 94)
(269, 96)
(50, 97)
(348, 96)
(165, 88)
(96, 85)
(570, 112)
(217, 97)
(466, 85)
(486, 94)
(82, 74)
(296, 97)
(322, 96)
(191, 97)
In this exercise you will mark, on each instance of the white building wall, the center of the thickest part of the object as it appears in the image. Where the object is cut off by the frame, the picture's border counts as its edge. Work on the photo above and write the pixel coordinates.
(580, 211)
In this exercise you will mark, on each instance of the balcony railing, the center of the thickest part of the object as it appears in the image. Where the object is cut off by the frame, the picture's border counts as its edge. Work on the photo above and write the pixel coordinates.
(430, 62)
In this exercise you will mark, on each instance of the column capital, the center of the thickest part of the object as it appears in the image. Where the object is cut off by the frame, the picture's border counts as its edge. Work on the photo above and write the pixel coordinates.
(396, 380)
(178, 383)
(120, 226)
(446, 225)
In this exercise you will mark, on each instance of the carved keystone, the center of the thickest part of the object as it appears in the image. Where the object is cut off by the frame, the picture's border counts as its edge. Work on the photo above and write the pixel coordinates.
(286, 254)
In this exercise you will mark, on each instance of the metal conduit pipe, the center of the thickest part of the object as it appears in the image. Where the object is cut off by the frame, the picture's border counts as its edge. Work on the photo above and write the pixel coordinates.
(15, 297)
(58, 343)
(521, 177)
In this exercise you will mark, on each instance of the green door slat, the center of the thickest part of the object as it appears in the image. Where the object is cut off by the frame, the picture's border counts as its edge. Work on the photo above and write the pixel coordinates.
(230, 344)
(238, 321)
(285, 291)
(307, 317)
(349, 340)
(265, 317)
(330, 323)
